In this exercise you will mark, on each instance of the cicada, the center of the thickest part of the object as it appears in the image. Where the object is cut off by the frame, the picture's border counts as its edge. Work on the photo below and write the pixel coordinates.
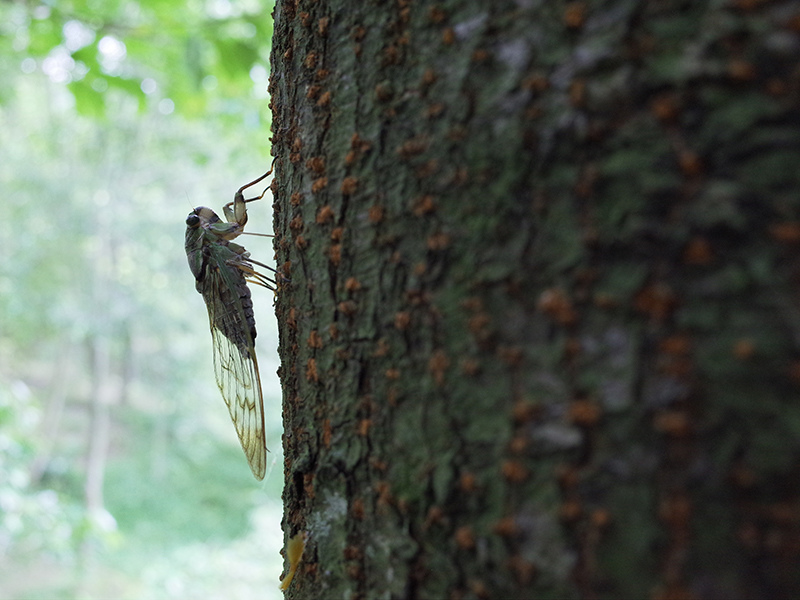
(222, 270)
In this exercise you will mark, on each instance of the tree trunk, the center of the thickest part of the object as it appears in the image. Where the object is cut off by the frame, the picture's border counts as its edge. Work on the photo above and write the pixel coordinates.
(539, 326)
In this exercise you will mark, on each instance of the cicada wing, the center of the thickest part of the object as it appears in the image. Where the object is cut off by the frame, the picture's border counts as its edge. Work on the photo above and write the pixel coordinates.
(235, 363)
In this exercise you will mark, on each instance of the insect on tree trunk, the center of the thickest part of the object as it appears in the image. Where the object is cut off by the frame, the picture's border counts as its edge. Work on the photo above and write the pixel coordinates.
(540, 329)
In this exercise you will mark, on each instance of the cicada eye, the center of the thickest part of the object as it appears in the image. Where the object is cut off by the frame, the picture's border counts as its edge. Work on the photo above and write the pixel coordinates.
(193, 220)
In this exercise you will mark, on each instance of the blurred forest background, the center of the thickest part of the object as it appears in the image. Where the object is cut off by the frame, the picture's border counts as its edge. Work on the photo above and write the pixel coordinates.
(120, 472)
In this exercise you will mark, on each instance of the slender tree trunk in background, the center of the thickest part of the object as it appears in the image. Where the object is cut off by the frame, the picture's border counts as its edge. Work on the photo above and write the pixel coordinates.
(541, 332)
(99, 425)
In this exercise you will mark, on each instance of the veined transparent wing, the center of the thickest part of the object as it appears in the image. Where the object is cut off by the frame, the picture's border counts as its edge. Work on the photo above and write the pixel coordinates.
(230, 312)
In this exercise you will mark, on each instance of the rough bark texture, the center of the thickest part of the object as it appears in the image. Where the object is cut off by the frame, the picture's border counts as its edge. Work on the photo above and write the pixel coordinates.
(541, 332)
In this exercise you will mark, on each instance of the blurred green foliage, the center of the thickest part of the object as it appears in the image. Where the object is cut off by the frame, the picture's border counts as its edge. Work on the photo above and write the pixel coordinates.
(115, 119)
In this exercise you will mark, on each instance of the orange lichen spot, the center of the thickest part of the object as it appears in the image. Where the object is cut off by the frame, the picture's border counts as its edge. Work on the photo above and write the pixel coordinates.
(600, 518)
(297, 144)
(748, 5)
(402, 320)
(470, 367)
(335, 254)
(353, 553)
(288, 54)
(378, 465)
(354, 571)
(776, 87)
(436, 15)
(349, 185)
(383, 92)
(429, 77)
(381, 348)
(676, 345)
(296, 198)
(675, 423)
(655, 300)
(311, 370)
(448, 36)
(392, 374)
(514, 471)
(319, 184)
(324, 99)
(413, 147)
(434, 110)
(518, 444)
(358, 33)
(305, 19)
(524, 411)
(359, 143)
(786, 233)
(314, 339)
(311, 60)
(291, 319)
(435, 516)
(584, 413)
(312, 93)
(479, 589)
(333, 331)
(472, 303)
(568, 476)
(325, 215)
(665, 107)
(438, 241)
(363, 427)
(523, 570)
(348, 307)
(690, 163)
(352, 285)
(479, 325)
(480, 56)
(426, 169)
(376, 214)
(327, 432)
(322, 25)
(744, 349)
(295, 157)
(570, 511)
(511, 355)
(468, 482)
(301, 242)
(437, 365)
(676, 511)
(698, 252)
(555, 303)
(316, 164)
(296, 224)
(424, 205)
(420, 268)
(575, 15)
(357, 509)
(294, 554)
(572, 347)
(465, 537)
(308, 480)
(577, 92)
(505, 527)
(384, 492)
(741, 70)
(337, 233)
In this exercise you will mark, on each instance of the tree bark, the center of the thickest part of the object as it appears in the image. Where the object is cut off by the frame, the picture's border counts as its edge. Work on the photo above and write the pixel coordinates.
(539, 325)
